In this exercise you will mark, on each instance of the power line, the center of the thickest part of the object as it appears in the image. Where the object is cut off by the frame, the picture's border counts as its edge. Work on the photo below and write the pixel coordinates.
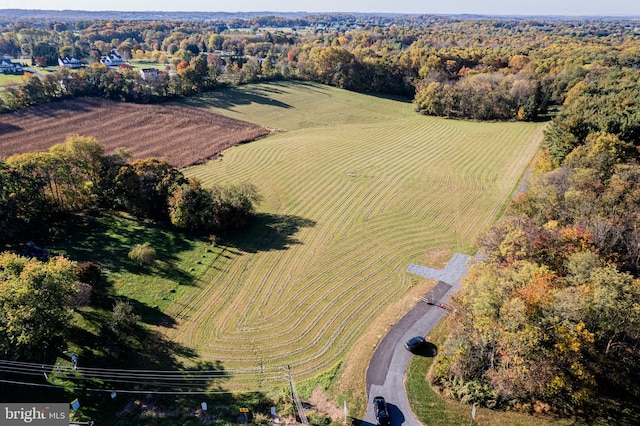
(28, 365)
(176, 379)
(129, 390)
(131, 373)
(296, 400)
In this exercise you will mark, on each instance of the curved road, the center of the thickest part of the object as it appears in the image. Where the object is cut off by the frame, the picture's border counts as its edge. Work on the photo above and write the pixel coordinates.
(34, 71)
(385, 375)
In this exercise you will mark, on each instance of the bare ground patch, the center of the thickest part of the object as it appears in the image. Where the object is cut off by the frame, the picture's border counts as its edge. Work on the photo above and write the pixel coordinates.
(178, 134)
(437, 258)
(322, 404)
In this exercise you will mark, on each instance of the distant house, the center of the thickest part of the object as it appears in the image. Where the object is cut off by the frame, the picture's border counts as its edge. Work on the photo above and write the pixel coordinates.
(149, 73)
(113, 59)
(8, 67)
(68, 62)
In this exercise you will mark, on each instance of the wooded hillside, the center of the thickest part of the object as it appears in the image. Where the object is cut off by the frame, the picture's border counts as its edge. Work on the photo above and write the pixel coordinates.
(551, 322)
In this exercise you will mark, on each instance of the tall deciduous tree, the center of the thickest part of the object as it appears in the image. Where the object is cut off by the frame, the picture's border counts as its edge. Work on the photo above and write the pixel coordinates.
(86, 157)
(35, 298)
(145, 186)
(192, 207)
(22, 201)
(234, 205)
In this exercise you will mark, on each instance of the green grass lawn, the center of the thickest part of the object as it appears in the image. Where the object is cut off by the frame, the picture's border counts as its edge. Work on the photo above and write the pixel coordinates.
(106, 240)
(10, 79)
(138, 64)
(427, 404)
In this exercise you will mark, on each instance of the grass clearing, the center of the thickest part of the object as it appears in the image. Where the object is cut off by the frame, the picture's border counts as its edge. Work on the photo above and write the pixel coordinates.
(106, 240)
(138, 64)
(10, 79)
(355, 187)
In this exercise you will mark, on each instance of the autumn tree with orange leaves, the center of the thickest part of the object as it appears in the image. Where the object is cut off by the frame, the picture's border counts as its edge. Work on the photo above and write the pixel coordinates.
(551, 320)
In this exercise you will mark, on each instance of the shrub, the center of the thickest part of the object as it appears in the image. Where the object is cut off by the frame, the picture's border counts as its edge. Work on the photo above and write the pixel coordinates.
(144, 254)
(123, 319)
(88, 273)
(261, 419)
(82, 296)
(116, 333)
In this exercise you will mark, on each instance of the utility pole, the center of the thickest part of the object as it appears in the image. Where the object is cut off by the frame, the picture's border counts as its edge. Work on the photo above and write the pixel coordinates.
(296, 401)
(293, 398)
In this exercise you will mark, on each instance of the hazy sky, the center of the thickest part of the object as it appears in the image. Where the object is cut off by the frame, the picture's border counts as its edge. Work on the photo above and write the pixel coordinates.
(493, 7)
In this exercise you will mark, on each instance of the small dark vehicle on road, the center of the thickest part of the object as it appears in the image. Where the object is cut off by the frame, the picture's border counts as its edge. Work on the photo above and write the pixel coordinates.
(414, 343)
(382, 413)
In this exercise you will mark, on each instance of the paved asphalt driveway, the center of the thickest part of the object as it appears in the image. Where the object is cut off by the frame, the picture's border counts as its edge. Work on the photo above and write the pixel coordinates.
(385, 375)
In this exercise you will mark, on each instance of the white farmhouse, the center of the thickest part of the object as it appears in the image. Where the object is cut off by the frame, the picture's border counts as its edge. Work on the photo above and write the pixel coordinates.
(8, 67)
(113, 59)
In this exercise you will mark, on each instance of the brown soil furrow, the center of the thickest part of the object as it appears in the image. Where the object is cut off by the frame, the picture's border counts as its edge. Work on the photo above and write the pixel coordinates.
(179, 134)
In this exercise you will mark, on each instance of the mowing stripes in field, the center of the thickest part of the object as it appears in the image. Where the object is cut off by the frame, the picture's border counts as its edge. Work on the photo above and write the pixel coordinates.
(366, 186)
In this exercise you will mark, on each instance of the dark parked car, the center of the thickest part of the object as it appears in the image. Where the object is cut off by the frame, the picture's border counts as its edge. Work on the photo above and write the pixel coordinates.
(382, 413)
(414, 343)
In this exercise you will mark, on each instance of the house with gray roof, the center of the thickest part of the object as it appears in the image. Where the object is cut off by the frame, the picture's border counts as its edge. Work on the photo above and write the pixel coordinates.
(113, 59)
(9, 67)
(69, 62)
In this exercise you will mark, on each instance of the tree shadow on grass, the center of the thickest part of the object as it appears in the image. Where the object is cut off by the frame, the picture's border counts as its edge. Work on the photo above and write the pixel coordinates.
(150, 315)
(142, 349)
(269, 232)
(141, 367)
(229, 98)
(319, 88)
(9, 128)
(609, 406)
(106, 240)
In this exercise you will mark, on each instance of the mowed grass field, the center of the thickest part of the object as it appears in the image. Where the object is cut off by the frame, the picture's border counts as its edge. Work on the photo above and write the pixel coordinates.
(355, 188)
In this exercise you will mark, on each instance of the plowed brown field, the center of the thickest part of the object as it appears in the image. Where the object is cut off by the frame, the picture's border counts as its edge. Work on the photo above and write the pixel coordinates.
(179, 134)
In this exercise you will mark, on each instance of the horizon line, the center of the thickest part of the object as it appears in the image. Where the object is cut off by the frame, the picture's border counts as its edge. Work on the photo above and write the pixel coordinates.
(510, 15)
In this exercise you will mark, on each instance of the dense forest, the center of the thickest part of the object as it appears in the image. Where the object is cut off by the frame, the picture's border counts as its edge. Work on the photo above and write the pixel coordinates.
(486, 69)
(551, 321)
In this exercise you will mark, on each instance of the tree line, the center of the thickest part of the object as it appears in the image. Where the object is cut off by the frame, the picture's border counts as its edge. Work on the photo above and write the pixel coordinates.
(551, 321)
(77, 176)
(37, 293)
(121, 85)
(485, 69)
